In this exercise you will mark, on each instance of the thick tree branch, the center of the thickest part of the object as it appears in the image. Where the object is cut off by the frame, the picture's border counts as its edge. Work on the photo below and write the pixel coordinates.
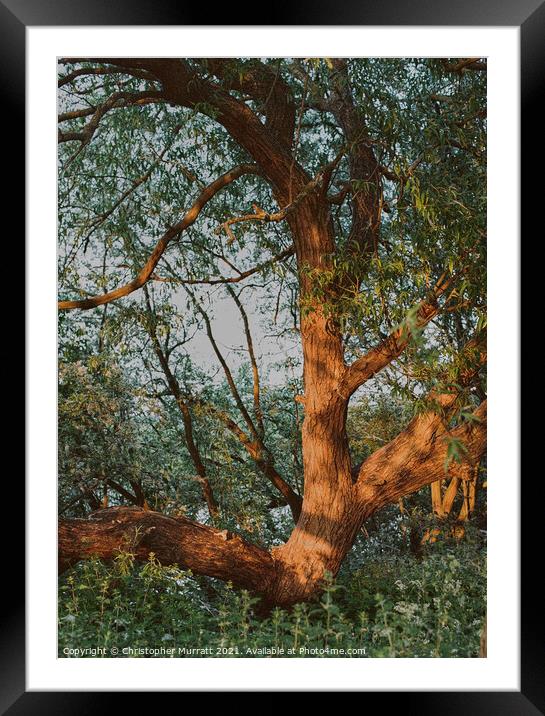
(203, 550)
(417, 457)
(263, 84)
(184, 86)
(365, 173)
(419, 451)
(469, 63)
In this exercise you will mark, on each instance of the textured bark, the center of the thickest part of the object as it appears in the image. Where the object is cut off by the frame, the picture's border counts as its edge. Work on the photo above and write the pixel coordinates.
(417, 457)
(202, 549)
(365, 175)
(334, 506)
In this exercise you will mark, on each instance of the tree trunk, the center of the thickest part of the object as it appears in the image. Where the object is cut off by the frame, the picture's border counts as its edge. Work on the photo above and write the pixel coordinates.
(333, 511)
(330, 517)
(335, 503)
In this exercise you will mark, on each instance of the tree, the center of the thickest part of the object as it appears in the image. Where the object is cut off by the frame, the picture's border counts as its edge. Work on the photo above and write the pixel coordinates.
(358, 188)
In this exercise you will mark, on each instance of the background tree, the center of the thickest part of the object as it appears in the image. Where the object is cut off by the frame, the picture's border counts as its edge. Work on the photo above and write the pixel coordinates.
(337, 208)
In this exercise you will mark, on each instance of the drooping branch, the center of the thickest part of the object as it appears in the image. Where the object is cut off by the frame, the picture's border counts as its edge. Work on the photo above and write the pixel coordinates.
(254, 445)
(101, 71)
(259, 454)
(227, 371)
(189, 218)
(115, 101)
(187, 419)
(101, 218)
(258, 413)
(190, 545)
(241, 275)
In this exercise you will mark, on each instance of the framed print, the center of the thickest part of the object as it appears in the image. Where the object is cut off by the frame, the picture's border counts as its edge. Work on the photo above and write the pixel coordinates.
(268, 266)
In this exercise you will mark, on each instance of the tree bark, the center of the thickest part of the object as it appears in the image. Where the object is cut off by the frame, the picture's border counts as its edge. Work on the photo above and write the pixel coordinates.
(335, 503)
(190, 545)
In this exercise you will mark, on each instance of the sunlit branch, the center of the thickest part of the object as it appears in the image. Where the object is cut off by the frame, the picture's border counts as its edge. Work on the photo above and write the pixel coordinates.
(418, 456)
(382, 355)
(174, 231)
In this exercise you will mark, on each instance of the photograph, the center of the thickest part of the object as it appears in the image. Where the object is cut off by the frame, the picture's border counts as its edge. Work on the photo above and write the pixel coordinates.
(272, 346)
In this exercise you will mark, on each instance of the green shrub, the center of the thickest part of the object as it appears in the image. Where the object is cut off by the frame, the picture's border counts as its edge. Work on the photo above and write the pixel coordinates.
(398, 607)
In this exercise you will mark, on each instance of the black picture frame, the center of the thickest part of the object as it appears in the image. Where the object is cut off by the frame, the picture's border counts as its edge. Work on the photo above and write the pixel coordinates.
(529, 15)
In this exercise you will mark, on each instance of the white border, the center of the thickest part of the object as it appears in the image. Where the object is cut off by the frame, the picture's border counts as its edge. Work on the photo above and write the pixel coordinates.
(500, 671)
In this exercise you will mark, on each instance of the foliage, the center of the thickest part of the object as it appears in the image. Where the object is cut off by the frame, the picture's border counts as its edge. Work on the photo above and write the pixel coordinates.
(399, 607)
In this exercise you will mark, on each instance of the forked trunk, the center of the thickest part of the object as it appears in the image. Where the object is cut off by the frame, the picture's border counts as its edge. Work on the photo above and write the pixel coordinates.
(335, 503)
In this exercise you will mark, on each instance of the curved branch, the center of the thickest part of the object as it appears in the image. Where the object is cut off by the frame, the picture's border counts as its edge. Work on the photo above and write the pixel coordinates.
(227, 371)
(84, 71)
(114, 101)
(419, 455)
(189, 218)
(187, 419)
(382, 355)
(133, 187)
(185, 87)
(469, 63)
(202, 549)
(264, 85)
